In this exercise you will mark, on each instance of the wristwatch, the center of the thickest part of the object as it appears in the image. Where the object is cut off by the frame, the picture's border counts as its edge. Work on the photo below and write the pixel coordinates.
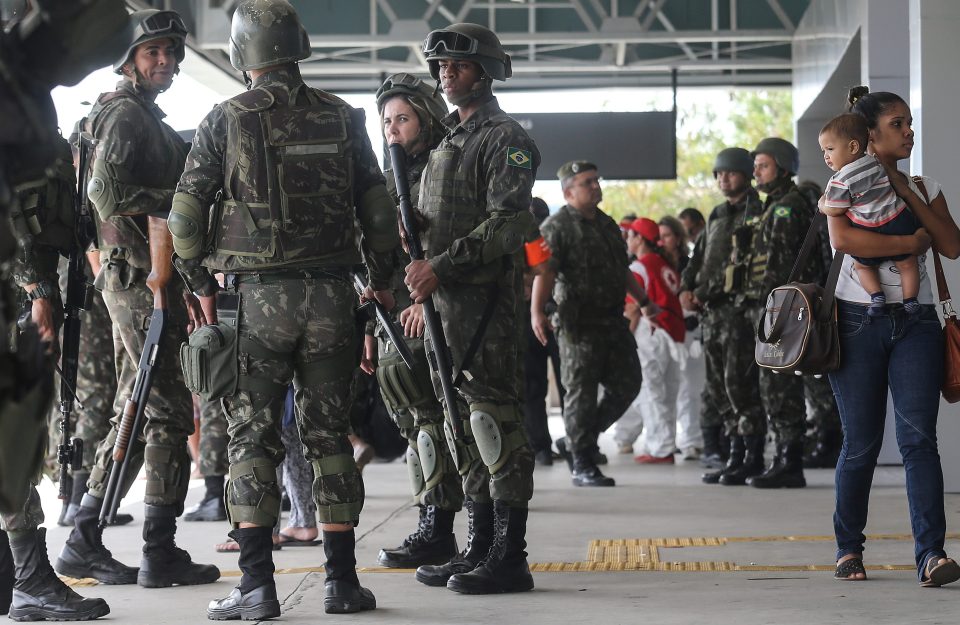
(43, 290)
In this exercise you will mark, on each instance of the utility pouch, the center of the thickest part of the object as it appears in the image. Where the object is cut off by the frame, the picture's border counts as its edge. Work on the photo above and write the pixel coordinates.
(733, 278)
(209, 357)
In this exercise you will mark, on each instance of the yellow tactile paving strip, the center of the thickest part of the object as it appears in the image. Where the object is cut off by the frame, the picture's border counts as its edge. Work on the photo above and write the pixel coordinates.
(642, 554)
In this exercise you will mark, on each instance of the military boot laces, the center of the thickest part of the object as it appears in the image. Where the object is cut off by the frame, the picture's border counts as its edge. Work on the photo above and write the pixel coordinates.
(84, 554)
(38, 594)
(432, 542)
(480, 526)
(504, 568)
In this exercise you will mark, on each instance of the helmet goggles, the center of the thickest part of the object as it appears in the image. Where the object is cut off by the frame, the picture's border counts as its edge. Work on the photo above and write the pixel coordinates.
(447, 41)
(164, 23)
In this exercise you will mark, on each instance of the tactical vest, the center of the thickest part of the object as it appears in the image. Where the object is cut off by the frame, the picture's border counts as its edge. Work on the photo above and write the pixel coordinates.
(45, 210)
(791, 197)
(288, 195)
(451, 200)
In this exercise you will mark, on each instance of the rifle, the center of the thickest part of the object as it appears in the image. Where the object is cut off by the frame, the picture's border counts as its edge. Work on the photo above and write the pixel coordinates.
(70, 451)
(394, 332)
(131, 424)
(441, 361)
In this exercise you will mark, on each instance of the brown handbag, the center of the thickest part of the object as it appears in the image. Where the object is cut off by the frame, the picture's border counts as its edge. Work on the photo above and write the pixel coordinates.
(797, 332)
(950, 388)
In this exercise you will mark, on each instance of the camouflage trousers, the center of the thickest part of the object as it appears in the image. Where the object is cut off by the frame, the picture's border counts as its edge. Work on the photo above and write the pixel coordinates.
(299, 330)
(823, 415)
(161, 447)
(491, 387)
(600, 354)
(213, 440)
(96, 385)
(782, 397)
(732, 377)
(29, 517)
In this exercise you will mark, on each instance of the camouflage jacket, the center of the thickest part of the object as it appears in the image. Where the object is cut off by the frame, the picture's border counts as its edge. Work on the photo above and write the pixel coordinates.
(713, 252)
(590, 259)
(475, 195)
(286, 199)
(43, 221)
(777, 240)
(144, 157)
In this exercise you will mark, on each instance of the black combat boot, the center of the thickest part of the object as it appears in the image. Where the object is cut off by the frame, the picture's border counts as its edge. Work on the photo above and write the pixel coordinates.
(6, 573)
(587, 473)
(734, 461)
(343, 592)
(256, 596)
(38, 594)
(561, 444)
(786, 471)
(826, 450)
(84, 555)
(752, 462)
(164, 564)
(504, 569)
(433, 542)
(211, 507)
(480, 525)
(712, 456)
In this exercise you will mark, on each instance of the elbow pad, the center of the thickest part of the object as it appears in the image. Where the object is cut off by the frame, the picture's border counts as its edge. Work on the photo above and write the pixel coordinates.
(186, 224)
(378, 220)
(505, 236)
(102, 191)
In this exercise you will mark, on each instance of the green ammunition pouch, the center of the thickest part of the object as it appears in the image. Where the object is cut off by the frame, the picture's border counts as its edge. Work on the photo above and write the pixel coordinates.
(209, 358)
(401, 387)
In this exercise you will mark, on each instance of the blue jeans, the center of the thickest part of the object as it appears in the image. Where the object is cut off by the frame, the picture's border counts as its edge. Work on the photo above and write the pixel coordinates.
(905, 354)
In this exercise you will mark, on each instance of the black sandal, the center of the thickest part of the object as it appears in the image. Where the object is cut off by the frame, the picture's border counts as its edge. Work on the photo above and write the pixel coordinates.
(938, 573)
(853, 566)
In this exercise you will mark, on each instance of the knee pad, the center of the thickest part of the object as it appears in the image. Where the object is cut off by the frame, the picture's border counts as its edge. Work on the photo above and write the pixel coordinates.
(431, 455)
(253, 480)
(165, 466)
(400, 386)
(498, 431)
(346, 511)
(415, 473)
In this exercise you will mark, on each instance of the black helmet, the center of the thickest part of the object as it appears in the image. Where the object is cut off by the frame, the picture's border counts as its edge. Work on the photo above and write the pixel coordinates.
(265, 33)
(469, 42)
(153, 24)
(734, 159)
(783, 152)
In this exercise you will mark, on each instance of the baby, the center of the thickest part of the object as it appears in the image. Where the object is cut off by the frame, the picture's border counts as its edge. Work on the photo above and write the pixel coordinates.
(861, 189)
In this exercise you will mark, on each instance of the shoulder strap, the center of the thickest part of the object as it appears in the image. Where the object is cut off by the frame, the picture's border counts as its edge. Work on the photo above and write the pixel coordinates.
(803, 258)
(943, 292)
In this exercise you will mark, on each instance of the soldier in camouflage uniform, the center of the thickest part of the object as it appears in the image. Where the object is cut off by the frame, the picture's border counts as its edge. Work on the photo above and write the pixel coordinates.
(285, 209)
(213, 463)
(135, 167)
(411, 114)
(44, 222)
(777, 240)
(715, 283)
(474, 196)
(590, 267)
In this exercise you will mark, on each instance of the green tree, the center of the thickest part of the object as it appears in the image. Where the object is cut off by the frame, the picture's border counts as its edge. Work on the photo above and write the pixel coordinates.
(700, 135)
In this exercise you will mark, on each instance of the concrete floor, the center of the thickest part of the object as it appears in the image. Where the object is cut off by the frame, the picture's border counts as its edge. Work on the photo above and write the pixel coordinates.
(789, 532)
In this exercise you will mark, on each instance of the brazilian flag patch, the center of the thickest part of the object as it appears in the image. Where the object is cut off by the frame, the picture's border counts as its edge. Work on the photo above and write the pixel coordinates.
(781, 211)
(519, 158)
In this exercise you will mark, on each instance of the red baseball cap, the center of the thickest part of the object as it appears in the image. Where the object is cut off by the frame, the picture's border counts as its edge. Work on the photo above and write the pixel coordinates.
(647, 228)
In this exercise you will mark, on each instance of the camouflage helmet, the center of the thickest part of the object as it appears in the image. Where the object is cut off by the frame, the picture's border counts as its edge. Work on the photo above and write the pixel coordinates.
(468, 42)
(414, 88)
(266, 33)
(783, 152)
(734, 159)
(153, 24)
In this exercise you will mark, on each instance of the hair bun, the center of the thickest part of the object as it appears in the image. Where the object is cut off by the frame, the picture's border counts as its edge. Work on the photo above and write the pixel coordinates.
(856, 93)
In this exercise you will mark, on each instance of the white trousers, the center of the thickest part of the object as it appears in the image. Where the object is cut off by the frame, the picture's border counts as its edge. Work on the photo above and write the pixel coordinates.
(692, 379)
(654, 411)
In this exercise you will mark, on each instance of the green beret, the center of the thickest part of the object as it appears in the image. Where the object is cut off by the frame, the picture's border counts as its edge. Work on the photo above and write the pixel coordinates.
(573, 168)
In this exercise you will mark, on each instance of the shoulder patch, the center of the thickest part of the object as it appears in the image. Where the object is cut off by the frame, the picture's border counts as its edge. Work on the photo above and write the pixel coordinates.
(519, 158)
(781, 211)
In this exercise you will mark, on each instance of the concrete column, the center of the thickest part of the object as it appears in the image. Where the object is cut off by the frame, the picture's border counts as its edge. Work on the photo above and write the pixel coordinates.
(934, 93)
